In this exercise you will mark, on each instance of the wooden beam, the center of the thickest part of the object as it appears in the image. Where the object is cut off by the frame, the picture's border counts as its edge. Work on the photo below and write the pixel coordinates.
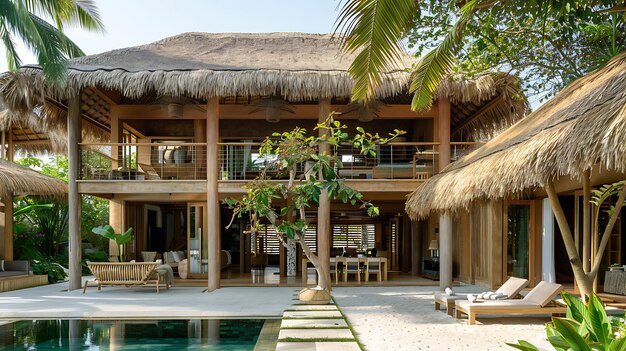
(243, 112)
(9, 155)
(444, 132)
(486, 108)
(74, 197)
(213, 205)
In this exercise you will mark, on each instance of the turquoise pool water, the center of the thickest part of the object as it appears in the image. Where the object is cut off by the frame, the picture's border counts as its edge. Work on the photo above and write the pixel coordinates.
(195, 334)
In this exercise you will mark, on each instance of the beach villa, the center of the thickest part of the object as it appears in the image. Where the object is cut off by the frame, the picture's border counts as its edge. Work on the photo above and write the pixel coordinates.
(167, 130)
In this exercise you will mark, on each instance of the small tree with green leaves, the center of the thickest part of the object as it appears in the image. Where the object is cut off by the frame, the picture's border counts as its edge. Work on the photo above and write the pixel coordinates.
(284, 205)
(120, 239)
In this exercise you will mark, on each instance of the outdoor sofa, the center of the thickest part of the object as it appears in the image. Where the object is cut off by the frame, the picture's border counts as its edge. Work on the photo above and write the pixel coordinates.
(125, 274)
(14, 268)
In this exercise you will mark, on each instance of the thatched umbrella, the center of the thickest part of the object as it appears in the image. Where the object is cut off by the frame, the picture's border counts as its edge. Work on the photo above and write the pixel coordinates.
(582, 126)
(19, 180)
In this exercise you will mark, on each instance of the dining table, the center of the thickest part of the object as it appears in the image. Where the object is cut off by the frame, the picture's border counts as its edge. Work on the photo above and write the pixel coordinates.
(305, 262)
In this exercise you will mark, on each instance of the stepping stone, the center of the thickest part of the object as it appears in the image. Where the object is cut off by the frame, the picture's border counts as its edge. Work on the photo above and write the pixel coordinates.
(318, 346)
(313, 308)
(313, 323)
(312, 314)
(316, 333)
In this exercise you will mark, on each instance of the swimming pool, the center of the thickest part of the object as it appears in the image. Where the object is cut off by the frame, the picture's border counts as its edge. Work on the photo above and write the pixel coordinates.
(194, 334)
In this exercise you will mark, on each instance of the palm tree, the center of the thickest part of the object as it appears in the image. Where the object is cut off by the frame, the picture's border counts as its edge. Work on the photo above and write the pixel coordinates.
(39, 24)
(377, 27)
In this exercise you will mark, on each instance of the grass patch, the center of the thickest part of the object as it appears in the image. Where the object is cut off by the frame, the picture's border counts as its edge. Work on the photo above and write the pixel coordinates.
(329, 327)
(313, 318)
(316, 340)
(354, 333)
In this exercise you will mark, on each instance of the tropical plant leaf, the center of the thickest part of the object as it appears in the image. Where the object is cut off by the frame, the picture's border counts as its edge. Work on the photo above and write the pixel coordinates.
(569, 331)
(598, 320)
(618, 345)
(576, 309)
(439, 62)
(524, 346)
(374, 28)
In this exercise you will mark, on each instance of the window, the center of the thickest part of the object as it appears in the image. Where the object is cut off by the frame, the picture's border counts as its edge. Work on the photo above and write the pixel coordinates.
(359, 236)
(269, 243)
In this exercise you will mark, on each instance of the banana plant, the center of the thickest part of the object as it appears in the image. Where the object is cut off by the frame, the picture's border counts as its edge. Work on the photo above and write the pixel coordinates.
(120, 238)
(586, 327)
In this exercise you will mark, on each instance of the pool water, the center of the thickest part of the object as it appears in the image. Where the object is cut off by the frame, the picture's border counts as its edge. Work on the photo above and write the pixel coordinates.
(195, 334)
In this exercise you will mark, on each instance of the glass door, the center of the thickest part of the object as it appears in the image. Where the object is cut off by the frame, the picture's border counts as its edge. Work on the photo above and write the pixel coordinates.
(197, 236)
(518, 248)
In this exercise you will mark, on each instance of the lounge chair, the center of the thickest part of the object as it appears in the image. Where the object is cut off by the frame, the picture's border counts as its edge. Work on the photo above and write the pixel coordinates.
(535, 302)
(510, 289)
(124, 273)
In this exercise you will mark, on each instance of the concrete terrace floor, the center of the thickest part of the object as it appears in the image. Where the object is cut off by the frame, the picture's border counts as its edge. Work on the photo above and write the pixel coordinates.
(384, 318)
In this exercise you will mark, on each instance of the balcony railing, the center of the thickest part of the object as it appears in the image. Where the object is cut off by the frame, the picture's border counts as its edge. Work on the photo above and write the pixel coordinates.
(242, 161)
(143, 161)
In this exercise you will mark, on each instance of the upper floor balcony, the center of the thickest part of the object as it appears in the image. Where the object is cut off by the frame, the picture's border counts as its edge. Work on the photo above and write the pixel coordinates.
(241, 162)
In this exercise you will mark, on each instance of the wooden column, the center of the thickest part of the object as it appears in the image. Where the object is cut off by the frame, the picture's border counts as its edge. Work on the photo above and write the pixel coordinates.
(3, 144)
(587, 220)
(9, 155)
(416, 248)
(323, 211)
(445, 222)
(74, 199)
(8, 228)
(115, 221)
(445, 251)
(116, 137)
(213, 206)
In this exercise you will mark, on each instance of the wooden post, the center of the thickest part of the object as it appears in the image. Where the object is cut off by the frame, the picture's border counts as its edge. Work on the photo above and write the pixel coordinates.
(115, 221)
(445, 222)
(586, 220)
(445, 251)
(3, 144)
(116, 137)
(74, 199)
(416, 248)
(213, 206)
(323, 211)
(9, 155)
(8, 228)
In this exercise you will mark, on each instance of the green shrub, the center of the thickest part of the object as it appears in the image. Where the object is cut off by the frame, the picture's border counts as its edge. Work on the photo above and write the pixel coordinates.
(586, 327)
(54, 271)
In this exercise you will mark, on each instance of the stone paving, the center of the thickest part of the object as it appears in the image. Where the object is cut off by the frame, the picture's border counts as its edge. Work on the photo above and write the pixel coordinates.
(315, 327)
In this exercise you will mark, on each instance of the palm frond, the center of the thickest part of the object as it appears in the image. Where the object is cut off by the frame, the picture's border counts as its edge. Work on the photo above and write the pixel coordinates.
(12, 56)
(375, 27)
(439, 62)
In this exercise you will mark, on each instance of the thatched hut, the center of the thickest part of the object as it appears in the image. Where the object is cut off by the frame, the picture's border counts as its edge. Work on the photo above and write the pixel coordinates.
(20, 180)
(206, 89)
(574, 141)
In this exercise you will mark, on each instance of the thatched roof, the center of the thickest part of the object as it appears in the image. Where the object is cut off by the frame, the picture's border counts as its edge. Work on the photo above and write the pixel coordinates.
(582, 126)
(296, 66)
(19, 180)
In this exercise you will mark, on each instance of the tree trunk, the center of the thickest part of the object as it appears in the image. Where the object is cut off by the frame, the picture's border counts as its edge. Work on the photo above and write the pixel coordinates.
(322, 281)
(607, 233)
(583, 281)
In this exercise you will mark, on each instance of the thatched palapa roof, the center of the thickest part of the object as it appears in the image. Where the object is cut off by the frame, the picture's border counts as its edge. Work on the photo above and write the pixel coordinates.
(581, 127)
(19, 180)
(296, 66)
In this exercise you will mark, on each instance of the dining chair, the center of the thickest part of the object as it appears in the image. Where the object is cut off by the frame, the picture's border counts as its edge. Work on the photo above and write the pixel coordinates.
(373, 265)
(336, 266)
(352, 265)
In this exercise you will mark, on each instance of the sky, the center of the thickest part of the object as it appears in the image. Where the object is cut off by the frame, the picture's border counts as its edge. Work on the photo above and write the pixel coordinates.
(136, 22)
